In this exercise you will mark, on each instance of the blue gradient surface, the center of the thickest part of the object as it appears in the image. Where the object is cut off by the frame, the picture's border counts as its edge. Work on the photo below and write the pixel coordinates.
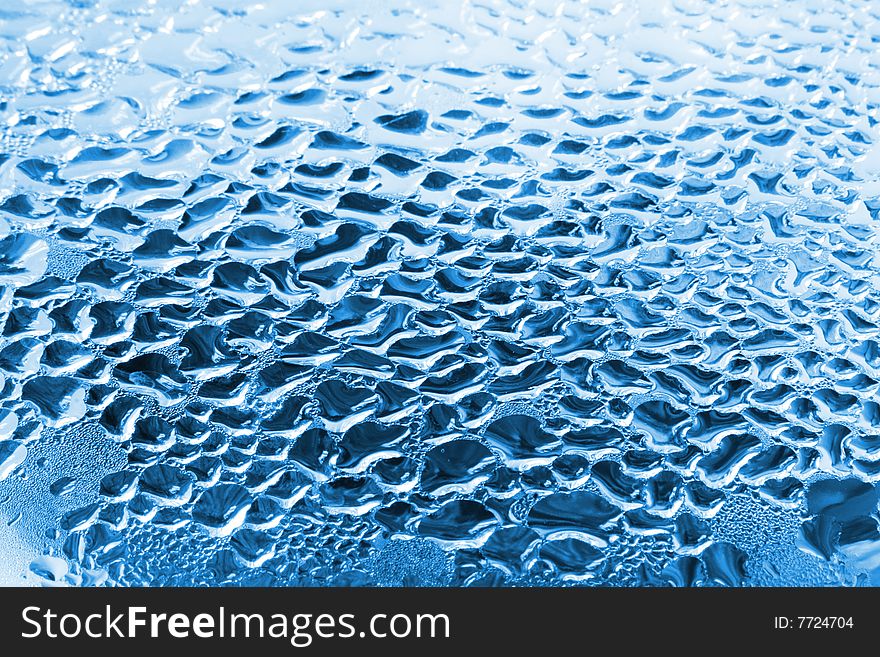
(439, 293)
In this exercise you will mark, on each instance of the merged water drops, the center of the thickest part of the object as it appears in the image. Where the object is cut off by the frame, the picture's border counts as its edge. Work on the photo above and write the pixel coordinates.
(439, 293)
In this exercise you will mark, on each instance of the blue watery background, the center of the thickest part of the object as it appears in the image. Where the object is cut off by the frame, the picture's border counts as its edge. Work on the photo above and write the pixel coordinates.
(439, 293)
